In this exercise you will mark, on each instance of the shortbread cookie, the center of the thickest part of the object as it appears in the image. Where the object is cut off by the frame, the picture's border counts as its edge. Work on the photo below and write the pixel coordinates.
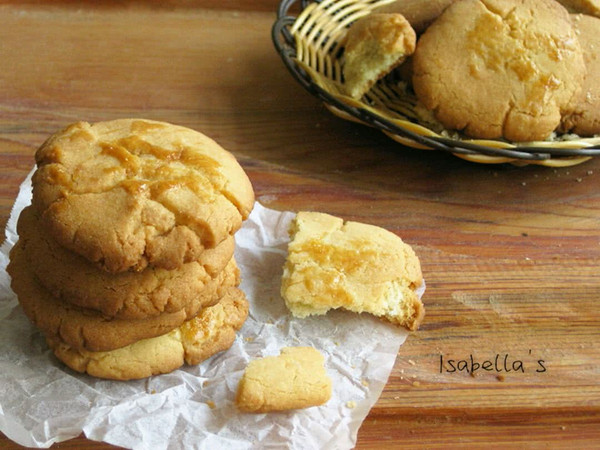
(128, 193)
(295, 379)
(419, 13)
(584, 116)
(84, 329)
(499, 68)
(210, 332)
(125, 295)
(354, 266)
(375, 45)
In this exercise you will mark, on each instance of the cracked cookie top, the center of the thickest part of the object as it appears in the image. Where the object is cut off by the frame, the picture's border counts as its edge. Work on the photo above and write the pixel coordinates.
(499, 68)
(130, 193)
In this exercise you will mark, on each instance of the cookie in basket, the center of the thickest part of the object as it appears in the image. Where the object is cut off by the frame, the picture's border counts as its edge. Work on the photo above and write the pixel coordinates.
(124, 295)
(86, 329)
(419, 13)
(210, 332)
(584, 116)
(499, 68)
(375, 45)
(129, 193)
(358, 267)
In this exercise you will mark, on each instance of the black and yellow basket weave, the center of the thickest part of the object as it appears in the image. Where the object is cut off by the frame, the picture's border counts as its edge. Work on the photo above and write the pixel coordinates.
(311, 46)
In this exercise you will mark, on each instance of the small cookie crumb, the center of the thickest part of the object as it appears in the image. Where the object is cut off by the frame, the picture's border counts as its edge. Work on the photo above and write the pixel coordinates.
(500, 377)
(211, 404)
(351, 404)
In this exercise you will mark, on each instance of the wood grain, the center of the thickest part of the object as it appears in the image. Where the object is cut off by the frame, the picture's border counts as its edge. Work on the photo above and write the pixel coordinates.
(510, 255)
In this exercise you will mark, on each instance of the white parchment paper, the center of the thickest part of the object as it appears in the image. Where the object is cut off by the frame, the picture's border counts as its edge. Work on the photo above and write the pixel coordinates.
(43, 402)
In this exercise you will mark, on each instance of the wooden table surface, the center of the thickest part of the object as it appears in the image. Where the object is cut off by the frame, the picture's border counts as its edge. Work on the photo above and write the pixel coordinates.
(510, 254)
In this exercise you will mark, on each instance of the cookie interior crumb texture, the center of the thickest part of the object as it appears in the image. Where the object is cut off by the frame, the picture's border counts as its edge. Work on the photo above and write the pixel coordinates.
(295, 379)
(354, 266)
(375, 45)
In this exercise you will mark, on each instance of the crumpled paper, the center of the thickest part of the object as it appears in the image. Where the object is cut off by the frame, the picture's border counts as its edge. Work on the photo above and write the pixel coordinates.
(43, 402)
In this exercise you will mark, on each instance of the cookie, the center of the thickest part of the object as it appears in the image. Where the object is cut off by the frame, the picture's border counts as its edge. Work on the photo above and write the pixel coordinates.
(295, 379)
(375, 45)
(419, 13)
(584, 113)
(85, 329)
(125, 295)
(334, 264)
(210, 332)
(130, 193)
(591, 7)
(499, 68)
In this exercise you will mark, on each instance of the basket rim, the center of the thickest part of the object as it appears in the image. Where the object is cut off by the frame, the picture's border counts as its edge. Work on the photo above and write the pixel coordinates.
(285, 45)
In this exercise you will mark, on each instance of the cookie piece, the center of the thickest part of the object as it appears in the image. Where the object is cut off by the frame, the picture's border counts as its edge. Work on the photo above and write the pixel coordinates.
(584, 116)
(129, 192)
(125, 295)
(375, 45)
(419, 13)
(84, 329)
(210, 332)
(295, 379)
(499, 68)
(354, 266)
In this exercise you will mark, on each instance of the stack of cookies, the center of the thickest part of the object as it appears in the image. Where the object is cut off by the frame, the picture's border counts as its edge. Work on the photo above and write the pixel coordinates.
(125, 257)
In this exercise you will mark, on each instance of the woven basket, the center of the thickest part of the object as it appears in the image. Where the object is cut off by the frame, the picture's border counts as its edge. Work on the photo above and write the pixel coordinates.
(311, 46)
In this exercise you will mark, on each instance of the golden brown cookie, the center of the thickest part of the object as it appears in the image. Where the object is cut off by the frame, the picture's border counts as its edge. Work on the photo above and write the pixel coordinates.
(130, 193)
(375, 45)
(419, 13)
(591, 7)
(584, 114)
(210, 332)
(125, 295)
(85, 329)
(349, 265)
(295, 379)
(499, 68)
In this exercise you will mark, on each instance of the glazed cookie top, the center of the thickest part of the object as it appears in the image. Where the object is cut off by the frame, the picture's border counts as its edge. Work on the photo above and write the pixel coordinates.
(355, 266)
(130, 193)
(499, 68)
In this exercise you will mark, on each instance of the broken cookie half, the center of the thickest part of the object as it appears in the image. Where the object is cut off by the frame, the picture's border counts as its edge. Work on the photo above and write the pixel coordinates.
(334, 264)
(375, 45)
